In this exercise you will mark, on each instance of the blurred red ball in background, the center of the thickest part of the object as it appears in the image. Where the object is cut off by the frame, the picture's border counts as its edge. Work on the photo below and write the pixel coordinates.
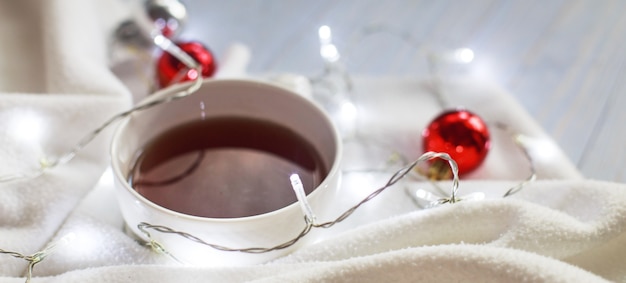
(461, 134)
(170, 70)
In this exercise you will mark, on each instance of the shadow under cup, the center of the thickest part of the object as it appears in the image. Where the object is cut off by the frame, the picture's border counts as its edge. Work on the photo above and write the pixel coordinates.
(265, 225)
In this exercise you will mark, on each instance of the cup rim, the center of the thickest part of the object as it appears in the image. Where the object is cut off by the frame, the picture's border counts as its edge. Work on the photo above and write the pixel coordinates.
(334, 169)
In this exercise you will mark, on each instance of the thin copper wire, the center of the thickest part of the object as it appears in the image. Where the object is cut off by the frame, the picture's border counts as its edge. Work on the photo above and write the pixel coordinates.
(419, 199)
(531, 165)
(31, 259)
(49, 163)
(188, 171)
(433, 60)
(309, 224)
(164, 43)
(37, 257)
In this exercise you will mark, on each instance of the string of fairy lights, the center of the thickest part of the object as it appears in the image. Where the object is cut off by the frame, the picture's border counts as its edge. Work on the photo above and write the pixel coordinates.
(331, 56)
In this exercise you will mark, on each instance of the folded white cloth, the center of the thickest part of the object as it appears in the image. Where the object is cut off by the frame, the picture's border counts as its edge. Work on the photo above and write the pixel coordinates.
(573, 234)
(561, 228)
(55, 85)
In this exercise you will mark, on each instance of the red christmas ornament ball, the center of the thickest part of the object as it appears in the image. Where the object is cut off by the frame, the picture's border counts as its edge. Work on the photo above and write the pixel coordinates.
(170, 70)
(461, 134)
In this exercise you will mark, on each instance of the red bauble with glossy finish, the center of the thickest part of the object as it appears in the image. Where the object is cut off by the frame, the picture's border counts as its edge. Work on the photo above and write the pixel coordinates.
(170, 70)
(461, 134)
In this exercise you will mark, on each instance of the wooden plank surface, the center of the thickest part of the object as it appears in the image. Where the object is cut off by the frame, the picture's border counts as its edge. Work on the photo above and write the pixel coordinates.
(562, 60)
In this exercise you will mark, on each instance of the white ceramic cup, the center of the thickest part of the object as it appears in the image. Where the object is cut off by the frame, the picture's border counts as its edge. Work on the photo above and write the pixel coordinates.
(219, 98)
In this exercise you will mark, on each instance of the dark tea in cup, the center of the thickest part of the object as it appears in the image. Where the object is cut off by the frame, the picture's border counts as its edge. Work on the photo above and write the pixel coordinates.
(226, 167)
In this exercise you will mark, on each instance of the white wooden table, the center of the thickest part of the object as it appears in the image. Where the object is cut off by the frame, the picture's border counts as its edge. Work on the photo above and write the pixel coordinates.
(563, 60)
